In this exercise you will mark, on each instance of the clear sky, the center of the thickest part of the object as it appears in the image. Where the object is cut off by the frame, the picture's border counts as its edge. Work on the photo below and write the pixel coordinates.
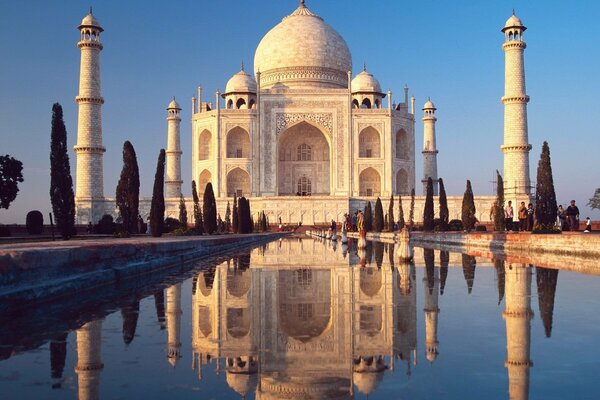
(448, 50)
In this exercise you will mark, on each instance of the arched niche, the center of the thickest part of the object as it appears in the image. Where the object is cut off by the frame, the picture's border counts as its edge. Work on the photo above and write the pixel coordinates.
(204, 320)
(238, 143)
(369, 182)
(238, 282)
(204, 145)
(402, 182)
(238, 322)
(370, 281)
(238, 183)
(370, 317)
(204, 178)
(402, 145)
(369, 143)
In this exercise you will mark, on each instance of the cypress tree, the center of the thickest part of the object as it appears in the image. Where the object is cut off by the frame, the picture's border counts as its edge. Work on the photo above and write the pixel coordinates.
(228, 218)
(428, 210)
(498, 212)
(245, 220)
(249, 216)
(182, 212)
(157, 207)
(378, 218)
(468, 208)
(209, 210)
(199, 224)
(263, 222)
(61, 183)
(235, 221)
(128, 189)
(545, 197)
(11, 174)
(401, 221)
(444, 213)
(368, 218)
(411, 215)
(468, 264)
(391, 214)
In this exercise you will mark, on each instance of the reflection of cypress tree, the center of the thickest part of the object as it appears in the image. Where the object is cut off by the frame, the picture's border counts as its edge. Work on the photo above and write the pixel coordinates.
(159, 303)
(209, 277)
(468, 263)
(499, 265)
(378, 249)
(244, 261)
(546, 286)
(130, 317)
(58, 355)
(194, 283)
(369, 252)
(429, 267)
(391, 254)
(444, 261)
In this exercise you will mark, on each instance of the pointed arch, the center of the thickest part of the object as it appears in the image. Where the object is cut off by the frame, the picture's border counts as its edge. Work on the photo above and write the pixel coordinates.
(238, 182)
(238, 143)
(402, 146)
(369, 182)
(402, 182)
(369, 143)
(204, 178)
(204, 145)
(240, 103)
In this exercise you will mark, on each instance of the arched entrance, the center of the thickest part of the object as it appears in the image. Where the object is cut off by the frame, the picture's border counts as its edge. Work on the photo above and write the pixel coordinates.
(304, 161)
(238, 183)
(402, 182)
(204, 179)
(369, 182)
(238, 143)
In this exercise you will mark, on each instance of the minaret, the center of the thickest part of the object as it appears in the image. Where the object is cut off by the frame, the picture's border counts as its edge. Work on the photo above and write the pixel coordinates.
(89, 148)
(431, 313)
(517, 315)
(517, 186)
(89, 365)
(173, 323)
(429, 147)
(173, 176)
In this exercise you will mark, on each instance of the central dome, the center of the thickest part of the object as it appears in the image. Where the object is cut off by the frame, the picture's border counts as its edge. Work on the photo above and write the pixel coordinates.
(303, 51)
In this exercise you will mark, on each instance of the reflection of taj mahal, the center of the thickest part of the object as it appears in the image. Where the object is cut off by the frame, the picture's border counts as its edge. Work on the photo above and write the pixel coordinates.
(300, 136)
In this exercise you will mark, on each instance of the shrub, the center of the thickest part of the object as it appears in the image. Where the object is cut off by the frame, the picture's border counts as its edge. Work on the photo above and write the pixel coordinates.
(183, 232)
(480, 228)
(171, 224)
(34, 222)
(105, 226)
(4, 231)
(378, 221)
(121, 234)
(455, 225)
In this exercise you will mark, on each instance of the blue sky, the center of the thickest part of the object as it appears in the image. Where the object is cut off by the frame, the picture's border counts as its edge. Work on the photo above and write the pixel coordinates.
(448, 50)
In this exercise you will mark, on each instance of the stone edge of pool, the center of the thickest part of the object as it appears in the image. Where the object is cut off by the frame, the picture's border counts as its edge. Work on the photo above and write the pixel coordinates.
(43, 271)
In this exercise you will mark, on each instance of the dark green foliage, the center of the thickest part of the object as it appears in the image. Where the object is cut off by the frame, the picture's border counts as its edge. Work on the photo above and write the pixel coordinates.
(246, 224)
(5, 231)
(228, 218)
(251, 218)
(429, 257)
(378, 248)
(498, 213)
(130, 314)
(455, 225)
(468, 208)
(411, 215)
(428, 210)
(368, 218)
(594, 202)
(106, 225)
(468, 263)
(390, 215)
(500, 277)
(34, 222)
(264, 225)
(182, 212)
(444, 261)
(170, 225)
(545, 196)
(11, 174)
(199, 224)
(235, 221)
(378, 223)
(157, 207)
(209, 210)
(546, 287)
(401, 221)
(444, 212)
(128, 189)
(159, 305)
(61, 183)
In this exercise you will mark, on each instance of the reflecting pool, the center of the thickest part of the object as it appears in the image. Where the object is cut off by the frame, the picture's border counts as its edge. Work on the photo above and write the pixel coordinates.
(302, 319)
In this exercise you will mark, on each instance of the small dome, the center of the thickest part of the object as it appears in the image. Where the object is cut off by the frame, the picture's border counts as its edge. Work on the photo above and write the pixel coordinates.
(90, 20)
(513, 22)
(367, 382)
(365, 82)
(429, 105)
(242, 82)
(243, 384)
(173, 104)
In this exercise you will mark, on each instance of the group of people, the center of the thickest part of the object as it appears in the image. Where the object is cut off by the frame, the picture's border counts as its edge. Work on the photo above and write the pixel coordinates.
(566, 219)
(354, 222)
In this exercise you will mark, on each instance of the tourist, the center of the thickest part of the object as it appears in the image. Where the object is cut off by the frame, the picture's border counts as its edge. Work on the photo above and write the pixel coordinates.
(360, 221)
(508, 216)
(530, 212)
(562, 218)
(493, 212)
(354, 221)
(573, 216)
(333, 227)
(522, 217)
(588, 225)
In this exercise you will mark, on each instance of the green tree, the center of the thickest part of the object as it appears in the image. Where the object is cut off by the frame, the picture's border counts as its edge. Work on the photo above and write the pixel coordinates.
(468, 208)
(498, 212)
(128, 189)
(368, 217)
(228, 218)
(411, 214)
(235, 221)
(182, 212)
(11, 174)
(428, 210)
(594, 202)
(209, 210)
(157, 206)
(199, 224)
(545, 196)
(390, 214)
(378, 218)
(401, 221)
(444, 212)
(61, 183)
(245, 219)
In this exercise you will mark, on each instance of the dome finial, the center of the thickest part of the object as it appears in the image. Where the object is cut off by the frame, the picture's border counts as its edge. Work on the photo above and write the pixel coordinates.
(242, 65)
(90, 10)
(513, 11)
(364, 66)
(302, 3)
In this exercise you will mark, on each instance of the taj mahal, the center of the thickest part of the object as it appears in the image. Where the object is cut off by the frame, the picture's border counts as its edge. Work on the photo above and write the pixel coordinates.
(299, 135)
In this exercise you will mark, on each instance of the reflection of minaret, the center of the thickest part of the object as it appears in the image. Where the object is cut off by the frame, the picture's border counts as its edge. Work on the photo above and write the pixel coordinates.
(444, 261)
(159, 304)
(173, 323)
(89, 365)
(546, 287)
(517, 315)
(431, 285)
(130, 315)
(58, 354)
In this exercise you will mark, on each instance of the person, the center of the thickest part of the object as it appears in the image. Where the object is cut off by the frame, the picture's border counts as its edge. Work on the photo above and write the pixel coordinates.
(530, 212)
(562, 218)
(588, 225)
(354, 222)
(508, 216)
(573, 216)
(90, 227)
(522, 217)
(333, 226)
(360, 221)
(493, 212)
